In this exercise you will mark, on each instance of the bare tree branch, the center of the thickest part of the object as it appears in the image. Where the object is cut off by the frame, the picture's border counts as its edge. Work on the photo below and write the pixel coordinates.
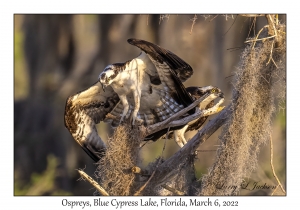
(272, 166)
(144, 185)
(176, 192)
(170, 122)
(165, 170)
(93, 182)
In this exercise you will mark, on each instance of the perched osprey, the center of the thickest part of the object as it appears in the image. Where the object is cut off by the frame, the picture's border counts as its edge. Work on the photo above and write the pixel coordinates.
(197, 92)
(155, 77)
(88, 107)
(149, 88)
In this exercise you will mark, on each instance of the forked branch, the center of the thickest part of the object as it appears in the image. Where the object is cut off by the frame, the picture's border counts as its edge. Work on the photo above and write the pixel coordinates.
(173, 120)
(164, 172)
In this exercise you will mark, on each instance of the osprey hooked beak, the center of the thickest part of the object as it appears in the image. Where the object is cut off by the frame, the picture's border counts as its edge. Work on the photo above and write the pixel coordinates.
(221, 95)
(102, 85)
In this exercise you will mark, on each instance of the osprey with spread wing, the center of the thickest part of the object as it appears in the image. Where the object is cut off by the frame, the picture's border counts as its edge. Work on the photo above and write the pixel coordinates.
(155, 77)
(147, 89)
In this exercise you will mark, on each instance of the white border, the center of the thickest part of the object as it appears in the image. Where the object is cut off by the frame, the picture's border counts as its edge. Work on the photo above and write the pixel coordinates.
(8, 8)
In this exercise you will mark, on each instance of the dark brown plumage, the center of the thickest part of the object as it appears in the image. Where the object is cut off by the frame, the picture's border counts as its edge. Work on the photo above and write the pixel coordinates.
(83, 111)
(163, 94)
(179, 69)
(196, 93)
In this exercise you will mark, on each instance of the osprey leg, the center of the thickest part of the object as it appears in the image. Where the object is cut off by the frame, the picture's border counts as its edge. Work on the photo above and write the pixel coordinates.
(125, 105)
(136, 96)
(179, 136)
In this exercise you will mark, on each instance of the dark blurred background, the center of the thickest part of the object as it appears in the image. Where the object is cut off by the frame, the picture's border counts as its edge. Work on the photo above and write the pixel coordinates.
(58, 55)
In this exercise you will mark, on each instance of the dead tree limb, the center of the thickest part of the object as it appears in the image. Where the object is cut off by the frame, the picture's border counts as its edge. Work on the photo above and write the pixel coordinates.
(174, 120)
(93, 182)
(166, 170)
(164, 124)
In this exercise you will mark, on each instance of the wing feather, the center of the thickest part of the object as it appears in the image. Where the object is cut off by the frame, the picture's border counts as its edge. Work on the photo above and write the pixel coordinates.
(171, 69)
(166, 72)
(86, 109)
(161, 55)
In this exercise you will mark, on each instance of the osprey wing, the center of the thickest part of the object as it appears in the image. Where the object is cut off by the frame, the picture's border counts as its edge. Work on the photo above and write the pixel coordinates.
(158, 54)
(171, 69)
(86, 109)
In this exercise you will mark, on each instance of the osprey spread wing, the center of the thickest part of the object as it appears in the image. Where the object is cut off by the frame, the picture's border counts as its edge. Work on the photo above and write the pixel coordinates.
(148, 88)
(83, 111)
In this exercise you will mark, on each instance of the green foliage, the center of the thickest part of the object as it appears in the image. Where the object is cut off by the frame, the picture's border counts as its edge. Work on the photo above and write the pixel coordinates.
(42, 184)
(20, 75)
(199, 170)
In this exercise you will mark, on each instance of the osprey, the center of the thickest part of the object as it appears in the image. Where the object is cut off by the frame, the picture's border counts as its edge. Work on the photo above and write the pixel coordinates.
(156, 74)
(149, 88)
(88, 107)
(197, 92)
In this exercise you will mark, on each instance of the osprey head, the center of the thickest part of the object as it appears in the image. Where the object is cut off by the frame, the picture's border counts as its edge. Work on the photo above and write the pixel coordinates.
(197, 92)
(107, 76)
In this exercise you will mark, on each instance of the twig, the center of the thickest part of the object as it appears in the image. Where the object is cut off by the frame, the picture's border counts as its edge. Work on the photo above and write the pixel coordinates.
(274, 63)
(275, 189)
(144, 185)
(147, 19)
(213, 18)
(272, 29)
(143, 144)
(273, 170)
(254, 40)
(271, 53)
(252, 15)
(162, 17)
(176, 192)
(252, 25)
(272, 32)
(226, 17)
(194, 21)
(93, 182)
(128, 185)
(152, 175)
(230, 26)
